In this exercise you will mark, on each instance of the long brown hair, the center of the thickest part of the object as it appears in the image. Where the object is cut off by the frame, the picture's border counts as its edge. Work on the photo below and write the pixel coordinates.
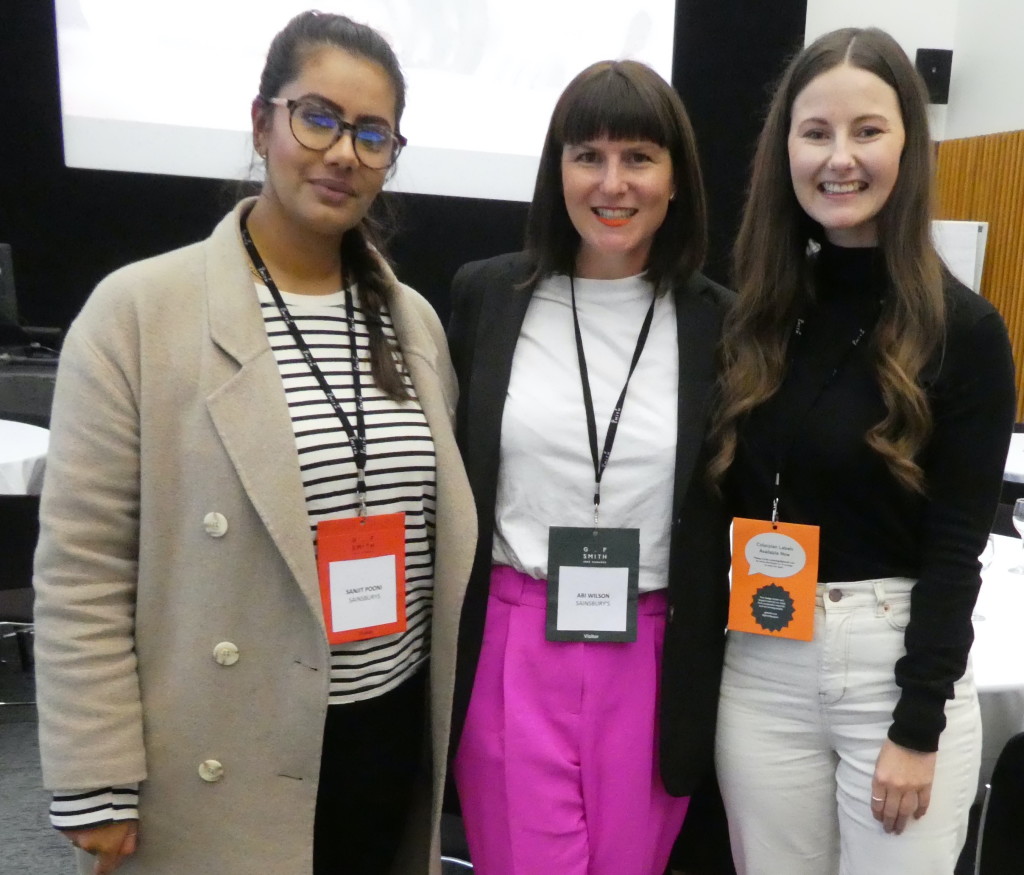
(362, 247)
(773, 271)
(622, 100)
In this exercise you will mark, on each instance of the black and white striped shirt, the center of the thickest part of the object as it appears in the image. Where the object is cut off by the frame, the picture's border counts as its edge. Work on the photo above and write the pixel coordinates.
(400, 473)
(400, 477)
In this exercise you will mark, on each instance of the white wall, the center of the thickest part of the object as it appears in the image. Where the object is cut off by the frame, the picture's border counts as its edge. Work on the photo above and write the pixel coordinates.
(915, 24)
(986, 91)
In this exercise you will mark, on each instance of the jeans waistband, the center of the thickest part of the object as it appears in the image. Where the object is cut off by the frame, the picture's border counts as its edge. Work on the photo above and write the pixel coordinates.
(860, 593)
(516, 588)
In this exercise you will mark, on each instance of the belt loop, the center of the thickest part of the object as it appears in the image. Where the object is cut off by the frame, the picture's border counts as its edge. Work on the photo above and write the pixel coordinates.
(518, 580)
(880, 604)
(507, 584)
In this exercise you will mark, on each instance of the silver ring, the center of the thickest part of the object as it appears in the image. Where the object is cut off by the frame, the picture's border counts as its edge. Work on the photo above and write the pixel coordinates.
(878, 799)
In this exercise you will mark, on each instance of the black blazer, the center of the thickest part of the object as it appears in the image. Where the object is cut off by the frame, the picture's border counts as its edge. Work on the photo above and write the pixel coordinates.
(488, 308)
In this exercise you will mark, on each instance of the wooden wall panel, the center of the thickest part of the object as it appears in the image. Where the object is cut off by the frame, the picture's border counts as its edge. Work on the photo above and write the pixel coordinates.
(981, 179)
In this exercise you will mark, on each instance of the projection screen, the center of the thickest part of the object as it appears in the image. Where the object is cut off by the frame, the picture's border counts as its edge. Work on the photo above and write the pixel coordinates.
(165, 87)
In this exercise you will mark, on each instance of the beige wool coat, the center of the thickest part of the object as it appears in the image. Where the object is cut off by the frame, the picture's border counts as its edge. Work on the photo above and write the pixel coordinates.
(169, 408)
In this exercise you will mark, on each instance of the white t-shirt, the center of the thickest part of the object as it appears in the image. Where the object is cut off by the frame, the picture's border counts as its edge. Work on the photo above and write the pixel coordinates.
(546, 472)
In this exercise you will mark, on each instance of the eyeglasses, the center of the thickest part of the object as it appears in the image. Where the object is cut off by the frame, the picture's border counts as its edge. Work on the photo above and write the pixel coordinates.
(319, 127)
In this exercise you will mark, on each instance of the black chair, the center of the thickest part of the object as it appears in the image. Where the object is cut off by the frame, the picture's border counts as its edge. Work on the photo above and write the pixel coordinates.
(1010, 492)
(1001, 830)
(1003, 522)
(19, 531)
(454, 850)
(26, 389)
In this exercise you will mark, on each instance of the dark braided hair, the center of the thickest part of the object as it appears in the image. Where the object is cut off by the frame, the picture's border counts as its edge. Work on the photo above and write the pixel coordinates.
(362, 247)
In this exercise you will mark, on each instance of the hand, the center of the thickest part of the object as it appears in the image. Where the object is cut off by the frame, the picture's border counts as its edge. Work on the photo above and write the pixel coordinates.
(901, 786)
(110, 843)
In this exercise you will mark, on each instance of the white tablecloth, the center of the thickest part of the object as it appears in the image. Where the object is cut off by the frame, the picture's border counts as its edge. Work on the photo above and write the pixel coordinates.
(22, 457)
(998, 652)
(1014, 468)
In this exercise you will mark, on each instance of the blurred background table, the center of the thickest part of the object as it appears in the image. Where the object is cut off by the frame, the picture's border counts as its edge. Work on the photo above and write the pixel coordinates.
(1014, 470)
(22, 457)
(998, 652)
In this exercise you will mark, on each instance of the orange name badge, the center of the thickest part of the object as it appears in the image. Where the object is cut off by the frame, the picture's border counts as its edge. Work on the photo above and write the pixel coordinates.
(774, 578)
(361, 565)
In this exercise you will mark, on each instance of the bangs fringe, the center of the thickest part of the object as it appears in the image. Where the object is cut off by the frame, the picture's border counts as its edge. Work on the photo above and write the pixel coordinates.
(612, 106)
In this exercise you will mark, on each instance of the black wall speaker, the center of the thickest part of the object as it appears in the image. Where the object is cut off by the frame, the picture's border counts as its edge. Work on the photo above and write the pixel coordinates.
(935, 65)
(8, 303)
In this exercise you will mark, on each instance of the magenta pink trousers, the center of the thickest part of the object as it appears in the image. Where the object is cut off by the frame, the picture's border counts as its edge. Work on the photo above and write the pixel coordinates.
(557, 768)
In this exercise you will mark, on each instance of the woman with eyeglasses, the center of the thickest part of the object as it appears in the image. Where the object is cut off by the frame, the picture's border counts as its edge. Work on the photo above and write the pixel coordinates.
(593, 625)
(256, 526)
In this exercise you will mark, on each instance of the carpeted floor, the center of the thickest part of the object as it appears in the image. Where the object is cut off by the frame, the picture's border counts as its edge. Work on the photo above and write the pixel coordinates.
(28, 845)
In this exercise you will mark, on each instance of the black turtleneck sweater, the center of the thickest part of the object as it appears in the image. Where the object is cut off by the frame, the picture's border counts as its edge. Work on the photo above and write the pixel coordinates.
(872, 527)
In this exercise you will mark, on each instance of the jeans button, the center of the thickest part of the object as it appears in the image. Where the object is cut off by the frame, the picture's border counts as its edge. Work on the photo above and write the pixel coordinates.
(835, 595)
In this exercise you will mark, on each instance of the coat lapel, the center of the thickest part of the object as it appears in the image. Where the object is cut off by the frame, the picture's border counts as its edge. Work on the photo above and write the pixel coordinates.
(698, 326)
(245, 398)
(501, 318)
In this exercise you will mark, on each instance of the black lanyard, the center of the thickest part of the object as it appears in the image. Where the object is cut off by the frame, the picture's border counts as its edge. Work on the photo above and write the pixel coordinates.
(357, 436)
(833, 366)
(588, 401)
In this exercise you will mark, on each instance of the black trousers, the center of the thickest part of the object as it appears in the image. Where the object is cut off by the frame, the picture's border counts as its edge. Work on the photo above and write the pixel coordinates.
(371, 761)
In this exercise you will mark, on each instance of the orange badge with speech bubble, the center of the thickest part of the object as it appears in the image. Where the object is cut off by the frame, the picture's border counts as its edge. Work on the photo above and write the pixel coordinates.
(774, 578)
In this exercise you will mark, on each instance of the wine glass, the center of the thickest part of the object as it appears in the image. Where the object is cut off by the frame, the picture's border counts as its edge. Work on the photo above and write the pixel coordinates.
(1018, 524)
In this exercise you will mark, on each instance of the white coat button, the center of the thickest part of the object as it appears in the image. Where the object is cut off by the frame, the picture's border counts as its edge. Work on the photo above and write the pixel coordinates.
(225, 653)
(211, 770)
(216, 524)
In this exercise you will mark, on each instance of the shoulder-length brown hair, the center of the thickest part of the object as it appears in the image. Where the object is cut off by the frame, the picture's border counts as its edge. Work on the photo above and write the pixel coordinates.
(623, 100)
(772, 270)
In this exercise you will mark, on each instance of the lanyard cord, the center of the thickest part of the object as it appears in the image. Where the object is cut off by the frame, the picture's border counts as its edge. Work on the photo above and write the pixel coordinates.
(588, 401)
(832, 369)
(356, 436)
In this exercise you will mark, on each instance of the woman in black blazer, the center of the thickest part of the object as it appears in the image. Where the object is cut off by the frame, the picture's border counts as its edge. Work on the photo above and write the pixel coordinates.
(591, 637)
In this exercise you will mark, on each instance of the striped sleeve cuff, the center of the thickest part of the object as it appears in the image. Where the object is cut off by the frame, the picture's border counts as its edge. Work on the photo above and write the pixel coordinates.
(82, 809)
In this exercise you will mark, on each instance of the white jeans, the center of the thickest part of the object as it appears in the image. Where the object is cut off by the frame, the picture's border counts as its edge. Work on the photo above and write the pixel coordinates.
(800, 725)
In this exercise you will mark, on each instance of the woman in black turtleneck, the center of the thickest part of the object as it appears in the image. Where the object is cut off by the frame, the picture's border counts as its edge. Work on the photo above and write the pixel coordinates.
(867, 394)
